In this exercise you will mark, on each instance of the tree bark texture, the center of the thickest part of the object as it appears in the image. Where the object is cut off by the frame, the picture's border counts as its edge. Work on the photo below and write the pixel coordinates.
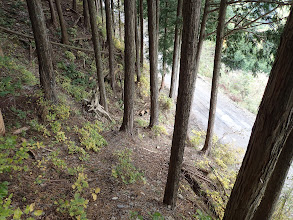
(153, 47)
(74, 5)
(53, 13)
(119, 20)
(110, 43)
(176, 53)
(216, 77)
(102, 13)
(86, 17)
(273, 190)
(47, 75)
(165, 48)
(113, 17)
(202, 33)
(191, 17)
(141, 32)
(64, 39)
(129, 8)
(95, 39)
(137, 46)
(271, 129)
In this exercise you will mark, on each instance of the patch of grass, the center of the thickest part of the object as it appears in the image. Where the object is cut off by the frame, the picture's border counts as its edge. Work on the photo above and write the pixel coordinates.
(125, 169)
(89, 136)
(166, 102)
(158, 130)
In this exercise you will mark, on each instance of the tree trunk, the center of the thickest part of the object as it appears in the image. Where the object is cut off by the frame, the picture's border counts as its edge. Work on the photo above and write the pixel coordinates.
(141, 32)
(271, 129)
(95, 39)
(165, 48)
(153, 47)
(113, 17)
(53, 13)
(276, 182)
(119, 22)
(176, 53)
(65, 39)
(202, 33)
(191, 16)
(102, 14)
(137, 48)
(2, 125)
(216, 76)
(47, 74)
(129, 9)
(110, 44)
(86, 17)
(74, 5)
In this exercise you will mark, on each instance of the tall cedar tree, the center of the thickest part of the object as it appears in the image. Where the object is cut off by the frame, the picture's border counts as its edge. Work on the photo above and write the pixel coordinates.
(191, 17)
(129, 10)
(110, 43)
(119, 20)
(153, 47)
(74, 5)
(95, 39)
(216, 76)
(137, 47)
(53, 13)
(141, 31)
(101, 9)
(47, 75)
(271, 129)
(86, 16)
(64, 34)
(164, 47)
(202, 33)
(176, 52)
(113, 17)
(276, 182)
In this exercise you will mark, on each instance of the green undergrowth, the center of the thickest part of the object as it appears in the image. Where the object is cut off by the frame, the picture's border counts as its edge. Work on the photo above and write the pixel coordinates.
(222, 163)
(125, 170)
(14, 77)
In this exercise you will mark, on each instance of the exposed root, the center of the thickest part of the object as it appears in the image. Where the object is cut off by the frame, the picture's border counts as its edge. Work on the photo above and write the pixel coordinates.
(94, 106)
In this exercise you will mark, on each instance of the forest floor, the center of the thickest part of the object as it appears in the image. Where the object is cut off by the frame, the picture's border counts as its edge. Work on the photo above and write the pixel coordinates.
(61, 162)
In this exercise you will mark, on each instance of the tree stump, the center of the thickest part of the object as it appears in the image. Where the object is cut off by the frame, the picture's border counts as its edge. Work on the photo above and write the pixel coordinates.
(2, 126)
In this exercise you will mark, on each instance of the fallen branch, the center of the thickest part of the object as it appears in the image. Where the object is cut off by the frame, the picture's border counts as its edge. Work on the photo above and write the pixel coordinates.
(18, 131)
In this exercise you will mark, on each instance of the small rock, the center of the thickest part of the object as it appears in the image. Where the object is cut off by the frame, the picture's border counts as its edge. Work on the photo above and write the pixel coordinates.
(115, 198)
(169, 207)
(142, 193)
(113, 218)
(169, 218)
(120, 206)
(157, 147)
(180, 196)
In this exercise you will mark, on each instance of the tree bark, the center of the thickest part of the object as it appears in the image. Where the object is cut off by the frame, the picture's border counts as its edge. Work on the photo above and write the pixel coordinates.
(165, 49)
(141, 32)
(102, 14)
(1, 52)
(202, 33)
(137, 63)
(65, 39)
(74, 6)
(271, 129)
(113, 17)
(47, 75)
(110, 44)
(273, 190)
(153, 47)
(95, 39)
(86, 17)
(176, 53)
(191, 16)
(53, 13)
(216, 76)
(129, 9)
(2, 125)
(119, 22)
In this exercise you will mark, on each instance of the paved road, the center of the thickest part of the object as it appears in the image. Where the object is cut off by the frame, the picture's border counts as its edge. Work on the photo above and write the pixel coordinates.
(233, 124)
